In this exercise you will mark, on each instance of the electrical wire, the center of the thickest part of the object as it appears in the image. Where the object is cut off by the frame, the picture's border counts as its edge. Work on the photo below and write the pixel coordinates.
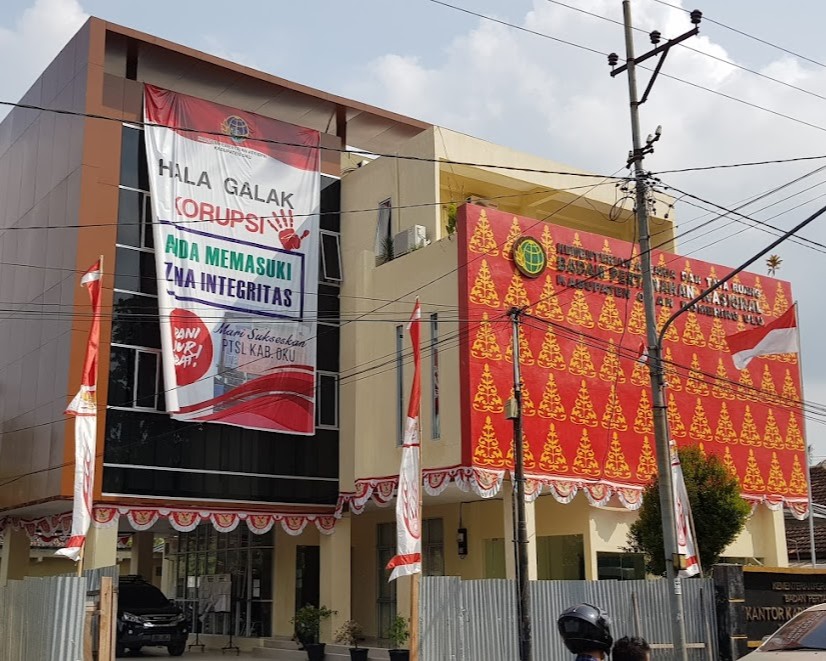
(745, 34)
(730, 97)
(699, 52)
(284, 143)
(726, 166)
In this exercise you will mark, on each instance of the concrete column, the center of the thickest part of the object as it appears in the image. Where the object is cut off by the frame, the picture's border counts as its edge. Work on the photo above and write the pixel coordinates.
(14, 560)
(169, 571)
(283, 588)
(510, 534)
(334, 570)
(773, 539)
(101, 548)
(143, 557)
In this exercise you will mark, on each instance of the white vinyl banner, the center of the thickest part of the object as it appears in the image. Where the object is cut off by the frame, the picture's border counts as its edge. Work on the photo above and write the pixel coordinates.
(235, 198)
(686, 545)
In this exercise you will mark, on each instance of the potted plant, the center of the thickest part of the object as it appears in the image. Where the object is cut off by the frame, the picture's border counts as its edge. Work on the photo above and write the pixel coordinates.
(307, 622)
(349, 634)
(398, 634)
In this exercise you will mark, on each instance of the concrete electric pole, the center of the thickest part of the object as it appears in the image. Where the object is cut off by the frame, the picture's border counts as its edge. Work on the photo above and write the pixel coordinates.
(661, 432)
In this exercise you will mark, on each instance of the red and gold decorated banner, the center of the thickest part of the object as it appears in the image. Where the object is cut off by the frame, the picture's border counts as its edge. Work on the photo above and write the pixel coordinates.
(587, 406)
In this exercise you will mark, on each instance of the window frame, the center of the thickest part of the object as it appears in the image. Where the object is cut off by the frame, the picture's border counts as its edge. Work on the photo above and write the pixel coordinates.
(319, 399)
(325, 278)
(136, 351)
(435, 416)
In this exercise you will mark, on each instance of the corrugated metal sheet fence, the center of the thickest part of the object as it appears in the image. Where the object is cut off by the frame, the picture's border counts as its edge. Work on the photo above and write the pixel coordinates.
(476, 620)
(42, 618)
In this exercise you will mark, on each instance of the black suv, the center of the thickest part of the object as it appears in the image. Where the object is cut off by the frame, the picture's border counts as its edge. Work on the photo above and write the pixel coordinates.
(147, 618)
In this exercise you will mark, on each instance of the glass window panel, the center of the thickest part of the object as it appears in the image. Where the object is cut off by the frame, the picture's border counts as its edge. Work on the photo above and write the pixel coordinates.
(148, 237)
(135, 320)
(130, 157)
(383, 247)
(327, 400)
(147, 380)
(560, 557)
(135, 271)
(327, 347)
(121, 376)
(129, 217)
(331, 257)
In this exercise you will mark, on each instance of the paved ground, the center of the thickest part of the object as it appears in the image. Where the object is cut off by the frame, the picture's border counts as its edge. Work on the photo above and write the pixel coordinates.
(208, 655)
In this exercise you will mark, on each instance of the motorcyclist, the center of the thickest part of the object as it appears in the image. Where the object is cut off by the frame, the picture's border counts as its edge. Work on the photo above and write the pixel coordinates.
(586, 632)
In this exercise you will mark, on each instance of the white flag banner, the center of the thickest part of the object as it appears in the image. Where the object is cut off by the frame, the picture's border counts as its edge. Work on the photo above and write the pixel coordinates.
(686, 545)
(236, 199)
(84, 409)
(408, 558)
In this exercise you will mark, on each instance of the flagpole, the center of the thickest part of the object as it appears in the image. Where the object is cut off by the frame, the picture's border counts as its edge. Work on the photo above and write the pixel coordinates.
(812, 551)
(415, 578)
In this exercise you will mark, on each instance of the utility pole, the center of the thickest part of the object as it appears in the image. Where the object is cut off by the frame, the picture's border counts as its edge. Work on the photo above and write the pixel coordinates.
(522, 585)
(661, 431)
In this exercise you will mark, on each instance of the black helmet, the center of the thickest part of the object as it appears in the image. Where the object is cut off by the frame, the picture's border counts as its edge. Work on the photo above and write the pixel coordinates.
(585, 628)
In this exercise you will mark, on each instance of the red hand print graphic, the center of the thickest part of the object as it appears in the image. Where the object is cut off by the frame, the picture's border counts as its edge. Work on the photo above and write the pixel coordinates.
(285, 225)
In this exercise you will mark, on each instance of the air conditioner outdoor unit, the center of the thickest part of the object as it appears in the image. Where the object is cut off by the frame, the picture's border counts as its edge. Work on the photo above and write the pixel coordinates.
(410, 239)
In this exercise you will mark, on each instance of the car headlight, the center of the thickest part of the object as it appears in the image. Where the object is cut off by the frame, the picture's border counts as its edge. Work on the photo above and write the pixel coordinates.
(179, 618)
(129, 617)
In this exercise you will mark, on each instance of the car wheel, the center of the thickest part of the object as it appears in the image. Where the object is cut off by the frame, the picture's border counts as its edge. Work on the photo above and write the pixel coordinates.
(120, 650)
(177, 649)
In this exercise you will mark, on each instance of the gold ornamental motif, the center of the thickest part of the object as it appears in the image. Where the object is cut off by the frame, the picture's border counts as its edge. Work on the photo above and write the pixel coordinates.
(647, 466)
(725, 432)
(551, 404)
(616, 465)
(613, 417)
(675, 420)
(485, 345)
(700, 429)
(776, 483)
(482, 241)
(548, 307)
(753, 480)
(583, 412)
(488, 452)
(484, 290)
(553, 458)
(585, 462)
(550, 354)
(487, 397)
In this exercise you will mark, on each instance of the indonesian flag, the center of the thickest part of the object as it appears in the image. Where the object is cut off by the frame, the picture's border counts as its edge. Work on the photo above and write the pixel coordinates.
(642, 353)
(780, 336)
(84, 409)
(686, 545)
(408, 558)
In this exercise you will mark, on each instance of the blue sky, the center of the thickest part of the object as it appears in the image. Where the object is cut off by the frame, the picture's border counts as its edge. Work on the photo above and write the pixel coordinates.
(435, 63)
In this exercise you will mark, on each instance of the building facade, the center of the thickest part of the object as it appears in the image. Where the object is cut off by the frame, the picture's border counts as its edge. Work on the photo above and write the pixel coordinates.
(297, 519)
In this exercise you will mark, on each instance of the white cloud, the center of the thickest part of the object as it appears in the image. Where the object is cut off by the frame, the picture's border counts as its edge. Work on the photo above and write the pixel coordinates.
(37, 36)
(560, 102)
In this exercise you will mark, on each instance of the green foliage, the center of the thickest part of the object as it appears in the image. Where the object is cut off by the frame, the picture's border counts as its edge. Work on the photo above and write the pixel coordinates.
(307, 622)
(398, 632)
(386, 251)
(718, 509)
(450, 226)
(349, 633)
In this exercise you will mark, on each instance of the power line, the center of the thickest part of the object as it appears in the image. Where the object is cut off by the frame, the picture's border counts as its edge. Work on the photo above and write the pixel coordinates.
(746, 34)
(730, 97)
(284, 143)
(775, 161)
(700, 52)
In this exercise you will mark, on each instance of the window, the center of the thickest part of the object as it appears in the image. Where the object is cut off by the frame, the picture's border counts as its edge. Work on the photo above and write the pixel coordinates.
(384, 233)
(133, 170)
(386, 589)
(433, 547)
(135, 219)
(135, 378)
(436, 423)
(560, 557)
(326, 402)
(399, 385)
(621, 566)
(135, 271)
(330, 257)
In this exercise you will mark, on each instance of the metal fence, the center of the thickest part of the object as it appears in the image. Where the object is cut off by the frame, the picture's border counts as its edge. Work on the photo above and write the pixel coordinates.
(42, 618)
(476, 620)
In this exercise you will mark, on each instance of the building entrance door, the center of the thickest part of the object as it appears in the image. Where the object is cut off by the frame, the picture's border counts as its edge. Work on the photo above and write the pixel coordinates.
(306, 576)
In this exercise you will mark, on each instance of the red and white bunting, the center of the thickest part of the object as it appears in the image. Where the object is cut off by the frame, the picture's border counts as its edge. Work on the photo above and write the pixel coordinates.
(84, 409)
(408, 558)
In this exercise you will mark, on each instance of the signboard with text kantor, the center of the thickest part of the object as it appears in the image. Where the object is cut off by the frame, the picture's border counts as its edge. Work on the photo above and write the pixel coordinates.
(235, 198)
(774, 596)
(587, 420)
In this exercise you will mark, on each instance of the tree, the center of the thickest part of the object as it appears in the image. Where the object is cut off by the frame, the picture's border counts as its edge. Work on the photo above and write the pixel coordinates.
(719, 511)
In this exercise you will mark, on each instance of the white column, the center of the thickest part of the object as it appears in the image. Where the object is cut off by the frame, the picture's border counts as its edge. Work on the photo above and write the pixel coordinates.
(334, 570)
(14, 560)
(101, 548)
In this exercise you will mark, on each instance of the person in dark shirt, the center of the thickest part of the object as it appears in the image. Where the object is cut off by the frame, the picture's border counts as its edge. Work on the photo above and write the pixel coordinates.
(586, 632)
(631, 649)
